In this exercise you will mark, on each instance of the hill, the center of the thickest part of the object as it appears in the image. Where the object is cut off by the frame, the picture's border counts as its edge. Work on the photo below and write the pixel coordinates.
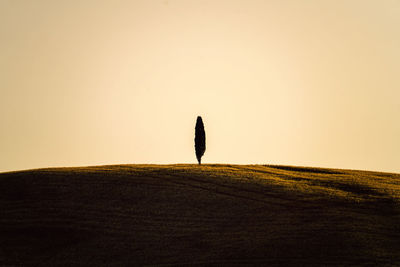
(199, 215)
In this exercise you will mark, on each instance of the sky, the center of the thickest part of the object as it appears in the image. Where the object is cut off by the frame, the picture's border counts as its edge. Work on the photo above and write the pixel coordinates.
(308, 83)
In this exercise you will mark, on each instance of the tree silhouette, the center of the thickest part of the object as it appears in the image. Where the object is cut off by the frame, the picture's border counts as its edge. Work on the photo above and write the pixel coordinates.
(200, 139)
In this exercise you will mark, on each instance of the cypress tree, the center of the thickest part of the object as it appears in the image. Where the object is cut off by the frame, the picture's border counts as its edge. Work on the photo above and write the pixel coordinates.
(199, 139)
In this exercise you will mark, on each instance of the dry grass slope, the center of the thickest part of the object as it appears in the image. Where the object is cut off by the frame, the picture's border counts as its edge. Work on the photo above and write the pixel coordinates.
(199, 215)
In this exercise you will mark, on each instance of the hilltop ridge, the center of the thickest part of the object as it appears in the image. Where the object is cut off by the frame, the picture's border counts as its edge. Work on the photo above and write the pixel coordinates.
(213, 214)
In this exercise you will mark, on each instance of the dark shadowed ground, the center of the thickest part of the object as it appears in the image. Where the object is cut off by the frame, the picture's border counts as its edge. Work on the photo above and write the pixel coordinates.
(199, 215)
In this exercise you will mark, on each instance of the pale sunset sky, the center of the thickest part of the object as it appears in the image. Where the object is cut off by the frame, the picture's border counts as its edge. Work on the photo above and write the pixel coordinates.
(309, 83)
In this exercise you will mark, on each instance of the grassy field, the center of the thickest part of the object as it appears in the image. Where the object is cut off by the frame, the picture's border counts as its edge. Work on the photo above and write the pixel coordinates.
(199, 215)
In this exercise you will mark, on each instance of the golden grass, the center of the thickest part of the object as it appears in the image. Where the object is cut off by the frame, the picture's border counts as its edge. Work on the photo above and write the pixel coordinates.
(213, 214)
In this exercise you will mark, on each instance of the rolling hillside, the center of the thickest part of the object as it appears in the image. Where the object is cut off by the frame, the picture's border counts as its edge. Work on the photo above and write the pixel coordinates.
(199, 215)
